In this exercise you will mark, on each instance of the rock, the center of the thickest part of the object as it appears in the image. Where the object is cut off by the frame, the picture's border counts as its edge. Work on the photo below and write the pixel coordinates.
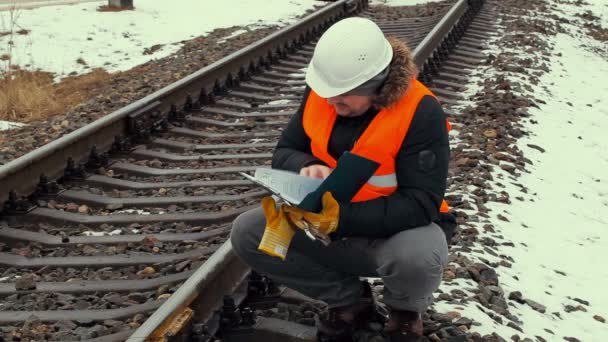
(536, 306)
(536, 147)
(463, 321)
(584, 302)
(81, 305)
(448, 275)
(137, 297)
(25, 283)
(72, 207)
(115, 299)
(599, 318)
(164, 296)
(490, 133)
(444, 296)
(114, 206)
(182, 265)
(441, 317)
(65, 325)
(147, 270)
(489, 277)
(515, 326)
(162, 290)
(454, 314)
(83, 209)
(138, 318)
(572, 339)
(517, 296)
(112, 323)
(89, 250)
(149, 241)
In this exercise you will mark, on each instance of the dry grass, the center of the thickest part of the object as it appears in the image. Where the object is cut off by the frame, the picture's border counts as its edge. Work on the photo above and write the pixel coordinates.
(31, 95)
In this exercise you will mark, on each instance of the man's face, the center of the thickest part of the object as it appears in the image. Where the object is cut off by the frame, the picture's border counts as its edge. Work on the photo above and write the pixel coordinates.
(350, 105)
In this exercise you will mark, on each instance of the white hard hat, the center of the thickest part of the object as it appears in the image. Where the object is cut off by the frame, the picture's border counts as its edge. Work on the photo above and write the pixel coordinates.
(349, 53)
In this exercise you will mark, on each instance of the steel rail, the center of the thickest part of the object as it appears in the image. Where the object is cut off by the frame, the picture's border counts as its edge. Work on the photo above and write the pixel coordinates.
(428, 45)
(219, 276)
(22, 174)
(202, 281)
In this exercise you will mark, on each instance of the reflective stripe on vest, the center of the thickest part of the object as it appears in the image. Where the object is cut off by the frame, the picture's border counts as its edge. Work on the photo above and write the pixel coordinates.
(384, 181)
(381, 140)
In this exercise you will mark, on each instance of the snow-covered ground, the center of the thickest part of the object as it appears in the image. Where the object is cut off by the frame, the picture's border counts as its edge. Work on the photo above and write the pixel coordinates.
(401, 2)
(76, 38)
(560, 229)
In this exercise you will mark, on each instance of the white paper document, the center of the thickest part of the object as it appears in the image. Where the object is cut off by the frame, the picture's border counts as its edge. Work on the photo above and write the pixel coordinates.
(289, 186)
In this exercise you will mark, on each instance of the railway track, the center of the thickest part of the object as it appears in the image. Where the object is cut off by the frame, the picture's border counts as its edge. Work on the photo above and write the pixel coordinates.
(128, 217)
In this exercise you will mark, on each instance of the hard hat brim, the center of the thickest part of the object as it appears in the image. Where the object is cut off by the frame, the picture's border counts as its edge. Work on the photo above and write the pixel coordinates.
(320, 86)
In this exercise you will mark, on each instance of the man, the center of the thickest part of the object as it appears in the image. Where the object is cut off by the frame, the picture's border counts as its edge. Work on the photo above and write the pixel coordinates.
(363, 97)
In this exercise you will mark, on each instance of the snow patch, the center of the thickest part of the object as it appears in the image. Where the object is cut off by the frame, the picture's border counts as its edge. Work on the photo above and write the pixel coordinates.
(8, 125)
(84, 38)
(393, 3)
(92, 233)
(280, 102)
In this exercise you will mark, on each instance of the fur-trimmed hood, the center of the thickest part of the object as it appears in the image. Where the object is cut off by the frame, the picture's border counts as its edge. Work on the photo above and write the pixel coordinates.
(402, 70)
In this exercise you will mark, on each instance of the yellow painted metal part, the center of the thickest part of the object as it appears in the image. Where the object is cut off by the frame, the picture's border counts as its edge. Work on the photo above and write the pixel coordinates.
(172, 326)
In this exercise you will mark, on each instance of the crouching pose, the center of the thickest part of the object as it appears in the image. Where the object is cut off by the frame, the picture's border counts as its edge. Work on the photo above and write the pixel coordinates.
(363, 97)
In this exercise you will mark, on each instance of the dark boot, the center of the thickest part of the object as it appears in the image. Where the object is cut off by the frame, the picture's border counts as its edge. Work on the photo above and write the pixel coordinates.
(404, 326)
(342, 321)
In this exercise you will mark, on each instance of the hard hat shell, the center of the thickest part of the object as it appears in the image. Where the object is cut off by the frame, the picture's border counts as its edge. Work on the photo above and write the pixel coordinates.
(349, 53)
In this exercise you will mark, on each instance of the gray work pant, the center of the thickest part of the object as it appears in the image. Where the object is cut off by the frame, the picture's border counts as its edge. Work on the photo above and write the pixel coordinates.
(410, 263)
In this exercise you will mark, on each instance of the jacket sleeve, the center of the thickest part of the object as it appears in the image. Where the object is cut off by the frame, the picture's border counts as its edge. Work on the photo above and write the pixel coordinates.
(422, 167)
(293, 149)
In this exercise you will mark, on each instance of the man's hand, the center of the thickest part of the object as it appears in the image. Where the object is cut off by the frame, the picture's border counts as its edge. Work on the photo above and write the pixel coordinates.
(325, 222)
(316, 171)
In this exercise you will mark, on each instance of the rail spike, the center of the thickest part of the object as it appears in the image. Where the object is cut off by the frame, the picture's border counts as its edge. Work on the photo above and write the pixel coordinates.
(15, 205)
(44, 189)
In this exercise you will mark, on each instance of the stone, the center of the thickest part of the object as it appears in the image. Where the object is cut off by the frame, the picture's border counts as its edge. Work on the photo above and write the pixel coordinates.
(463, 321)
(536, 306)
(115, 299)
(517, 296)
(489, 277)
(599, 318)
(137, 297)
(454, 314)
(584, 302)
(182, 265)
(164, 296)
(147, 270)
(83, 209)
(440, 317)
(89, 250)
(71, 207)
(515, 326)
(25, 283)
(65, 325)
(114, 206)
(490, 133)
(162, 290)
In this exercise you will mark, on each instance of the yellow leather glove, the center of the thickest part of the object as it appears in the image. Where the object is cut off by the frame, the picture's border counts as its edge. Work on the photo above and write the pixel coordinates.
(278, 232)
(325, 222)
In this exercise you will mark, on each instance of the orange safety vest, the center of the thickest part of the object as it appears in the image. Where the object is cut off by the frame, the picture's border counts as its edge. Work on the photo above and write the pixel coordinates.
(381, 140)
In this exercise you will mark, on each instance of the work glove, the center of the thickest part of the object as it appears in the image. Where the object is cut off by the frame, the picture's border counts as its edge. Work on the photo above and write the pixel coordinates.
(317, 225)
(278, 232)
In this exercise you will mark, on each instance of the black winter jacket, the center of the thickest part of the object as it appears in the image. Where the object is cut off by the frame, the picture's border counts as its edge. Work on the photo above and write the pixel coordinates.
(422, 162)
